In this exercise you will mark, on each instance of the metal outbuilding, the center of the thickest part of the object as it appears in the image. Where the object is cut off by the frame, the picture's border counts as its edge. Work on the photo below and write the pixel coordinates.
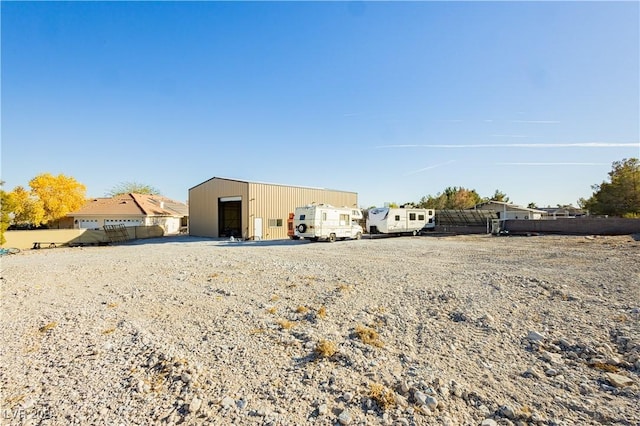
(222, 208)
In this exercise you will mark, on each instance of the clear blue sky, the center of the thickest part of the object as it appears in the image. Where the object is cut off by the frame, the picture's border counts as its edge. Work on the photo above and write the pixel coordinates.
(392, 100)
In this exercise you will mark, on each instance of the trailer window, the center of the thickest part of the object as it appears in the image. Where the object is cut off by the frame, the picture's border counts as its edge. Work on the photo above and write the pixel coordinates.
(420, 217)
(397, 218)
(344, 219)
(412, 216)
(275, 223)
(324, 215)
(302, 216)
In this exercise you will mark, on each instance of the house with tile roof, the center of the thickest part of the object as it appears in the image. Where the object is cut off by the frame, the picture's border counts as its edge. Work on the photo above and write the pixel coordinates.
(132, 210)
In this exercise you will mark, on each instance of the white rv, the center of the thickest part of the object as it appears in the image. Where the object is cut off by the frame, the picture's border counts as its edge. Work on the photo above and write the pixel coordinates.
(326, 222)
(386, 220)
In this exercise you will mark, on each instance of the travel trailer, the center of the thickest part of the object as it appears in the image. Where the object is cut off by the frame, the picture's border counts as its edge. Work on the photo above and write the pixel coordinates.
(326, 222)
(398, 221)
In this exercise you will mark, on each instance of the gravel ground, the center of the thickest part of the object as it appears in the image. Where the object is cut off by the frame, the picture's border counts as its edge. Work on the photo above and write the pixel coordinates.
(435, 330)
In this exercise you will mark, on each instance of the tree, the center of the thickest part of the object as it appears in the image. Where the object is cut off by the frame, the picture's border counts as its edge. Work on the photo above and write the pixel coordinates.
(582, 202)
(59, 195)
(6, 207)
(621, 195)
(27, 209)
(431, 202)
(532, 205)
(451, 198)
(133, 188)
(499, 196)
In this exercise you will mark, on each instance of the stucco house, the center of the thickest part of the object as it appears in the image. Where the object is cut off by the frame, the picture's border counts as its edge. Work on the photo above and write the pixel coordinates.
(563, 212)
(132, 210)
(510, 211)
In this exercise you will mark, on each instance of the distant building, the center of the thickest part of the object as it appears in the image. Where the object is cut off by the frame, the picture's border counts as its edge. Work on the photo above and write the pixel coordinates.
(132, 210)
(221, 207)
(563, 212)
(510, 211)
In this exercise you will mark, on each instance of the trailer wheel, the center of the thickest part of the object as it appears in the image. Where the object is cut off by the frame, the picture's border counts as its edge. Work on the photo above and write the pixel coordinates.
(358, 236)
(302, 227)
(332, 238)
(415, 233)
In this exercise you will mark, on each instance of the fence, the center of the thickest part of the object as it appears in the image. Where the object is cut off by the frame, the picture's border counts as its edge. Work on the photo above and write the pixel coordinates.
(25, 239)
(575, 226)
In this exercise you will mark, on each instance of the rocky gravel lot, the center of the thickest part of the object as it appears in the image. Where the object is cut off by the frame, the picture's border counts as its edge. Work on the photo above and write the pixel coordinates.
(431, 330)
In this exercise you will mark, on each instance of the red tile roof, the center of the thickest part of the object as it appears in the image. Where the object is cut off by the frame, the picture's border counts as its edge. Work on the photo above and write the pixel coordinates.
(132, 205)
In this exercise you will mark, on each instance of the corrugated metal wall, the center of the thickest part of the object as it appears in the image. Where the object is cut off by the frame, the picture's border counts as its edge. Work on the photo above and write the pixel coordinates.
(259, 200)
(272, 202)
(203, 205)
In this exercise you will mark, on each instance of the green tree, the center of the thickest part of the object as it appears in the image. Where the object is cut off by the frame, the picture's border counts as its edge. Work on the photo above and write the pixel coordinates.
(582, 202)
(499, 196)
(431, 202)
(6, 207)
(532, 205)
(621, 195)
(451, 198)
(133, 188)
(59, 195)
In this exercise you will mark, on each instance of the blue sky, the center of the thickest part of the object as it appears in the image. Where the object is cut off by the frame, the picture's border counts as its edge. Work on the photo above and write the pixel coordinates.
(392, 100)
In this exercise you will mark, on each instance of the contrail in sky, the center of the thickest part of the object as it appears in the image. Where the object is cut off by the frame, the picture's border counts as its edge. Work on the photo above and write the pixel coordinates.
(429, 168)
(536, 121)
(551, 164)
(522, 145)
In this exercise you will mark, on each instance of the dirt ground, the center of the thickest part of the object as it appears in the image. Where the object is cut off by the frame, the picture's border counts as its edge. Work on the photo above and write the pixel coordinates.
(427, 330)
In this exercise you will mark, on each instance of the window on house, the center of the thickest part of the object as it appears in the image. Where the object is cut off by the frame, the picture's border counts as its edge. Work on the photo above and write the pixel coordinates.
(275, 223)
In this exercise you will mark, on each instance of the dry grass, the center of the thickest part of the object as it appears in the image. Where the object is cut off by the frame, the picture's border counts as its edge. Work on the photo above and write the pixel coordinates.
(383, 396)
(326, 348)
(322, 312)
(368, 335)
(604, 367)
(48, 327)
(285, 324)
(274, 298)
(621, 318)
(108, 331)
(272, 310)
(302, 309)
(343, 288)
